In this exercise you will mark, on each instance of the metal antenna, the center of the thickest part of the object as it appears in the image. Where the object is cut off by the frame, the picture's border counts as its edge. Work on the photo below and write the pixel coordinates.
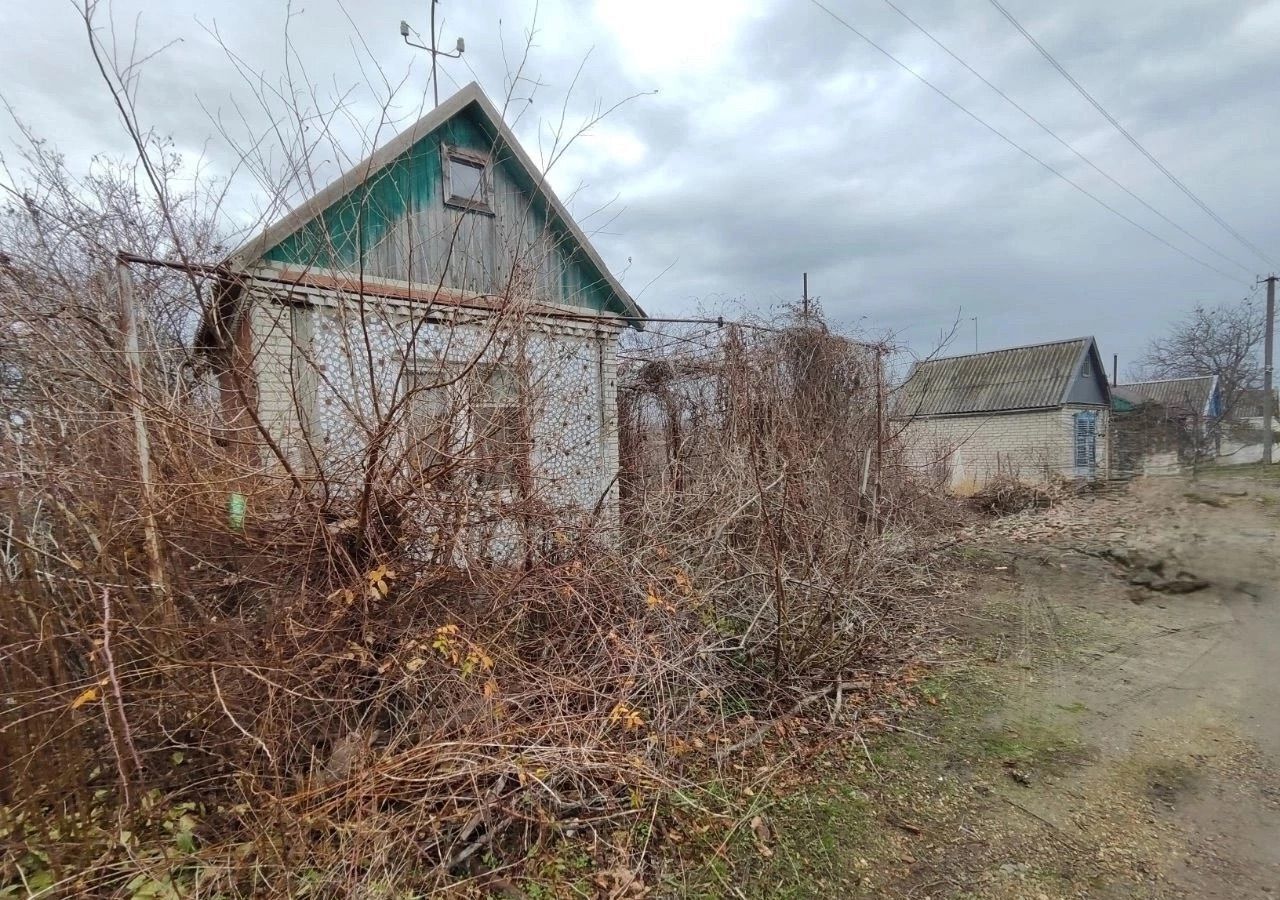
(459, 49)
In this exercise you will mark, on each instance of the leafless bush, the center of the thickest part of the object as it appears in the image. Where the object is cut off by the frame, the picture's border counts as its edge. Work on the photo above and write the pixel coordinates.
(1004, 494)
(423, 649)
(756, 458)
(330, 698)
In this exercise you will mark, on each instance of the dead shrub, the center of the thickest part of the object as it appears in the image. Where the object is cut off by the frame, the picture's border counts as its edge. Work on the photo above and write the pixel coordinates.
(1005, 494)
(322, 701)
(384, 680)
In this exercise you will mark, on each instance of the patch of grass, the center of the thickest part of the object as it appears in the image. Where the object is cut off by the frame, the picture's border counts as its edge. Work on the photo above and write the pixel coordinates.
(863, 820)
(985, 557)
(1257, 470)
(1032, 744)
(810, 841)
(845, 826)
(559, 870)
(1160, 779)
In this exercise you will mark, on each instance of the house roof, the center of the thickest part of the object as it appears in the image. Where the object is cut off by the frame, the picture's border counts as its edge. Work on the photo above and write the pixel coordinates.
(1193, 394)
(1037, 376)
(471, 95)
(1122, 394)
(1249, 402)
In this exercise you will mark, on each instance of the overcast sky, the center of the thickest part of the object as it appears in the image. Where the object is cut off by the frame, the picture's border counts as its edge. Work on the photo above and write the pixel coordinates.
(769, 140)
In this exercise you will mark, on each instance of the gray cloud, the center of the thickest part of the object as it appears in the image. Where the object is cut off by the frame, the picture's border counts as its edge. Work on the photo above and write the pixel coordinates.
(778, 142)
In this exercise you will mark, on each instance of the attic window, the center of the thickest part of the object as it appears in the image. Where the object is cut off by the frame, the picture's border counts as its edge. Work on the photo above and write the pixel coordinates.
(466, 180)
(1085, 371)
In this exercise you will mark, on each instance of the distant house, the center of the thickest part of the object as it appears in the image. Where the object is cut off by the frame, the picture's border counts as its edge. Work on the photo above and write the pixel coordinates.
(1160, 426)
(377, 301)
(1198, 397)
(1248, 407)
(1032, 412)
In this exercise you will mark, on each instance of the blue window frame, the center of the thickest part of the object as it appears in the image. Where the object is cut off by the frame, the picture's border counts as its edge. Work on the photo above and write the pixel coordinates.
(1086, 442)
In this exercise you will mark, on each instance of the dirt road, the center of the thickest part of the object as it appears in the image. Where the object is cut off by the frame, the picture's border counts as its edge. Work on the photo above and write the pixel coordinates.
(1169, 703)
(1088, 732)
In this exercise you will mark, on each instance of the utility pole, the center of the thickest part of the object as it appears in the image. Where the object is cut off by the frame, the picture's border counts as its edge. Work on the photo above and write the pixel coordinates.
(805, 298)
(974, 320)
(1115, 369)
(459, 49)
(1267, 411)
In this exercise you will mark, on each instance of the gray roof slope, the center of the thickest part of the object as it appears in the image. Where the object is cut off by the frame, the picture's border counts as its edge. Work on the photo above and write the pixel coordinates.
(1192, 394)
(1122, 392)
(1249, 402)
(1032, 377)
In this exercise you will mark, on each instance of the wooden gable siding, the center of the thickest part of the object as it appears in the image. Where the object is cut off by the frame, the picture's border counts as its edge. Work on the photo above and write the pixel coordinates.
(396, 226)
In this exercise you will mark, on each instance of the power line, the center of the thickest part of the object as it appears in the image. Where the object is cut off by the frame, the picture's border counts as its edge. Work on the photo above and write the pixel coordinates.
(1128, 136)
(1053, 134)
(1014, 144)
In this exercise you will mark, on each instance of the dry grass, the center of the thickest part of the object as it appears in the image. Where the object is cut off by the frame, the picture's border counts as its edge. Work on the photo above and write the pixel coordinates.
(316, 703)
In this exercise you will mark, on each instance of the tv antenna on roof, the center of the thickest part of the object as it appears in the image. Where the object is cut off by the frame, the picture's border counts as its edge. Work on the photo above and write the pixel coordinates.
(459, 49)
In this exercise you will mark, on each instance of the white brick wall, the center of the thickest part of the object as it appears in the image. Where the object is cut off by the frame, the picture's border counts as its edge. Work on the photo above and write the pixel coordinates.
(969, 450)
(272, 352)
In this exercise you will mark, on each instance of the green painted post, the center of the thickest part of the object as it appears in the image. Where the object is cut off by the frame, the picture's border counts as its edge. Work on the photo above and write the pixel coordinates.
(236, 506)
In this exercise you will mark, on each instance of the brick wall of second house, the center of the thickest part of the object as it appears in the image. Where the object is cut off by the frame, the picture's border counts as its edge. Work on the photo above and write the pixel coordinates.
(966, 451)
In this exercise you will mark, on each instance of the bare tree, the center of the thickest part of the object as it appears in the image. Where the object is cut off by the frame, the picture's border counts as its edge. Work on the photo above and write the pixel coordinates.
(1221, 340)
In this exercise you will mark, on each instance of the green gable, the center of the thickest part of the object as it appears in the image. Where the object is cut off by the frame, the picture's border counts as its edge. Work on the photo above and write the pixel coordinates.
(404, 196)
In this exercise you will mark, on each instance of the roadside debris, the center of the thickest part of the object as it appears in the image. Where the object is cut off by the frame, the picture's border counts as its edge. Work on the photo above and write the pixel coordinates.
(1206, 499)
(1086, 526)
(1006, 494)
(1148, 572)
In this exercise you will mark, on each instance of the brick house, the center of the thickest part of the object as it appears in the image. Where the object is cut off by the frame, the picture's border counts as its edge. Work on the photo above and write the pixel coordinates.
(1034, 412)
(441, 290)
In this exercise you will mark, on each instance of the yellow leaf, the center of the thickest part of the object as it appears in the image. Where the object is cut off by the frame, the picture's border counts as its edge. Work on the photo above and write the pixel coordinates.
(379, 582)
(415, 664)
(376, 574)
(627, 717)
(490, 689)
(87, 696)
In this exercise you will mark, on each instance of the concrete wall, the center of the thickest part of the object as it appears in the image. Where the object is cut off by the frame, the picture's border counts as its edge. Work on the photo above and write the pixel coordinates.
(966, 451)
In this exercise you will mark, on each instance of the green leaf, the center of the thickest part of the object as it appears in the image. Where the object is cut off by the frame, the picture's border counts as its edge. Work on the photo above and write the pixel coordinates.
(39, 880)
(146, 888)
